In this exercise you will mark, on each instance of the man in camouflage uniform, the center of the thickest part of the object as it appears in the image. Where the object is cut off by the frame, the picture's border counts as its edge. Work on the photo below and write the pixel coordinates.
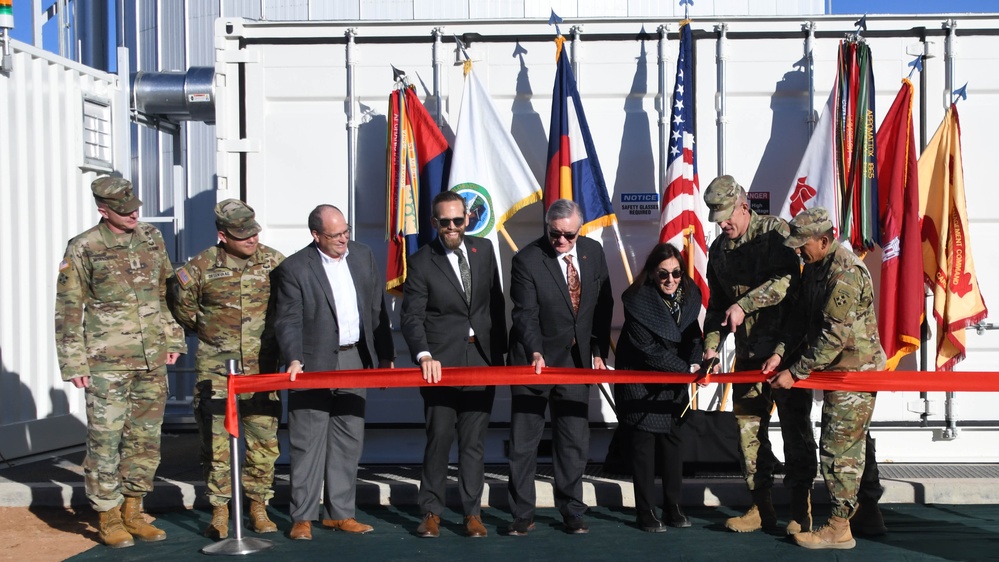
(115, 337)
(833, 319)
(750, 272)
(222, 295)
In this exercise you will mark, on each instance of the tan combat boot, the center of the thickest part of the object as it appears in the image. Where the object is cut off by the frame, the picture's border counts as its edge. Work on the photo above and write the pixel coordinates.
(801, 511)
(136, 525)
(258, 518)
(867, 521)
(760, 516)
(218, 527)
(835, 534)
(112, 530)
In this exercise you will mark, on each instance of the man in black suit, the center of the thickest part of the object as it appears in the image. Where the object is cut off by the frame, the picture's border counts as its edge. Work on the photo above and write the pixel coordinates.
(329, 314)
(562, 307)
(454, 315)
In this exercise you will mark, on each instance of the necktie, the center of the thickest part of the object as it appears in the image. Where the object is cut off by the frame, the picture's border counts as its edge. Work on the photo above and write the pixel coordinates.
(572, 276)
(466, 275)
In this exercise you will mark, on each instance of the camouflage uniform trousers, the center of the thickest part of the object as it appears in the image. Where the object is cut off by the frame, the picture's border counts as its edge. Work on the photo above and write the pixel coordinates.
(260, 415)
(752, 404)
(846, 418)
(124, 419)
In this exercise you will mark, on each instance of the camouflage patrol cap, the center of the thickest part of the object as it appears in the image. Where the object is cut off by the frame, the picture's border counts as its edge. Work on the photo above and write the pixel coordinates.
(236, 218)
(807, 225)
(721, 196)
(116, 193)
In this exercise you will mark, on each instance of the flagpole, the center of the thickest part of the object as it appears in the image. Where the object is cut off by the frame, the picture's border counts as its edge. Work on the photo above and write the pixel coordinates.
(624, 256)
(506, 236)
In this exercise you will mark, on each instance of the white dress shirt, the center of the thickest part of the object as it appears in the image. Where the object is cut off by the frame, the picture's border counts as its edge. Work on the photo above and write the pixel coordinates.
(348, 316)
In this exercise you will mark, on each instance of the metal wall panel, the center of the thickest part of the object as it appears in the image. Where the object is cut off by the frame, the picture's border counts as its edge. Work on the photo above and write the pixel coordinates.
(439, 10)
(44, 201)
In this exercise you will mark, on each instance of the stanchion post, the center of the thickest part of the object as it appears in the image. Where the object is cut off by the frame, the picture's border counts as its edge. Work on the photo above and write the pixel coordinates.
(237, 544)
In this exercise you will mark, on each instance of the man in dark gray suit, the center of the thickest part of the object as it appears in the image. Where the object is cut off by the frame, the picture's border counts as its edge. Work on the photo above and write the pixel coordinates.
(329, 314)
(562, 307)
(454, 315)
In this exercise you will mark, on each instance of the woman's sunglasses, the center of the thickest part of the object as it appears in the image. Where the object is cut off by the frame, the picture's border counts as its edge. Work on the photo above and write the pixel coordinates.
(663, 275)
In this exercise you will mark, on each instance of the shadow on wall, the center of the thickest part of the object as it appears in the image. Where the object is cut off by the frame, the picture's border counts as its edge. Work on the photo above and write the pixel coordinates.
(788, 137)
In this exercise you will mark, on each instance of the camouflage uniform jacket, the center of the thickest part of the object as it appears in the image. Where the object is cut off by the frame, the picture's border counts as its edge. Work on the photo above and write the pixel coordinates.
(833, 318)
(227, 308)
(756, 271)
(111, 310)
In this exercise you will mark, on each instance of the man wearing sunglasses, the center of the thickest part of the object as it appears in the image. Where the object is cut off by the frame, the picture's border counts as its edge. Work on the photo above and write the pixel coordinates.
(454, 315)
(750, 274)
(562, 307)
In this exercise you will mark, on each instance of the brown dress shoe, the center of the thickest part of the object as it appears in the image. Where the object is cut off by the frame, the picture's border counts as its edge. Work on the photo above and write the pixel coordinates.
(348, 526)
(474, 526)
(430, 528)
(301, 531)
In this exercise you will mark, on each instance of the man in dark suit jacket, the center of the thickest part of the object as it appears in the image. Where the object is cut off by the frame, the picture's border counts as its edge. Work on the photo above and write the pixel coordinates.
(454, 315)
(329, 314)
(562, 307)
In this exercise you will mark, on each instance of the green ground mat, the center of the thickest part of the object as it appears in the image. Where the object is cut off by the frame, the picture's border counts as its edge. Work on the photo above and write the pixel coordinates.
(916, 532)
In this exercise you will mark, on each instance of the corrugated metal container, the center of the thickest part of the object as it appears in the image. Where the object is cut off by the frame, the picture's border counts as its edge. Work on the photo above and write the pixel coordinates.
(283, 124)
(61, 124)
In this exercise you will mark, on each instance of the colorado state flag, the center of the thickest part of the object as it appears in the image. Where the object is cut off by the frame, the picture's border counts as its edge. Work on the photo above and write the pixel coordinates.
(573, 170)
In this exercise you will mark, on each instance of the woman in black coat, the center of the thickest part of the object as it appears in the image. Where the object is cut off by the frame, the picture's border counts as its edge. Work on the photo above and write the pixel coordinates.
(660, 333)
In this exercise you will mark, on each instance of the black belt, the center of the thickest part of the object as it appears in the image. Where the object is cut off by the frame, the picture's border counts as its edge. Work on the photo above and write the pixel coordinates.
(346, 347)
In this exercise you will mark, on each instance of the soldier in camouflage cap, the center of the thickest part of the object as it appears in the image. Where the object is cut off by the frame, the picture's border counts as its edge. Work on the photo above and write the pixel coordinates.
(114, 338)
(222, 295)
(833, 328)
(750, 273)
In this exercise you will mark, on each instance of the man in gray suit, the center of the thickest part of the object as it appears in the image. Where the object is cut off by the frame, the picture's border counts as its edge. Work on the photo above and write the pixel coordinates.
(454, 315)
(329, 314)
(562, 307)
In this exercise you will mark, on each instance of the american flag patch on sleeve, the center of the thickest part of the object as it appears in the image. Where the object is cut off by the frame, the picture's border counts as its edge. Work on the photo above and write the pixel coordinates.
(63, 265)
(183, 277)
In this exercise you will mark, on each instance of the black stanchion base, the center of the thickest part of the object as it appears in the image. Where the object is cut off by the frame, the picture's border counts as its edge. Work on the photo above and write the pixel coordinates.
(233, 547)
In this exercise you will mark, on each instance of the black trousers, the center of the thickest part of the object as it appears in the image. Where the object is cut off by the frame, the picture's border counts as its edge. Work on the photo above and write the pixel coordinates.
(648, 449)
(570, 445)
(449, 410)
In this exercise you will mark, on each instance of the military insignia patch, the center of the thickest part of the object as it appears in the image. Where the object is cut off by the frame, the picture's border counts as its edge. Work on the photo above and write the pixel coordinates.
(63, 265)
(218, 275)
(841, 301)
(184, 277)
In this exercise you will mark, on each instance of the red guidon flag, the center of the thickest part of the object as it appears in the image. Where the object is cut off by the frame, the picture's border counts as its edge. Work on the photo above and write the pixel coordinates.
(900, 310)
(947, 264)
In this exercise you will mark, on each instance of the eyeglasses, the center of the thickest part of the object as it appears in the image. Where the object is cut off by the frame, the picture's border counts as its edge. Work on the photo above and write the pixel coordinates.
(446, 223)
(663, 275)
(569, 236)
(336, 235)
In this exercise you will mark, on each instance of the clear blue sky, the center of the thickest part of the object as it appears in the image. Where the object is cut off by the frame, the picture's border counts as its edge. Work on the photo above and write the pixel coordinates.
(22, 13)
(910, 6)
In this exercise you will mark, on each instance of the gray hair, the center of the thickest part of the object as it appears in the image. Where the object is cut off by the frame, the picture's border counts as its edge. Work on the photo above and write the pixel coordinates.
(563, 209)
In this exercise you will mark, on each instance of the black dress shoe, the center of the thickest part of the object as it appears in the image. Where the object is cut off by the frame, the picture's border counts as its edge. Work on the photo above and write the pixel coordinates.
(674, 517)
(520, 527)
(575, 525)
(648, 522)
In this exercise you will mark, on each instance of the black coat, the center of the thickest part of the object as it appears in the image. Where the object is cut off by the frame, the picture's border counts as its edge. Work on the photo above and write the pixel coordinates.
(651, 340)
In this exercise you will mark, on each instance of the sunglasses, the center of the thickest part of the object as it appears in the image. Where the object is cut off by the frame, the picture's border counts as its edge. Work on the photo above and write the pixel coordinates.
(663, 275)
(446, 223)
(569, 236)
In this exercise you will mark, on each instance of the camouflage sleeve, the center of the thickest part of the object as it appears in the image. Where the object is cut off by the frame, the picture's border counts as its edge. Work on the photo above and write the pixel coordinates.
(784, 274)
(717, 305)
(71, 345)
(174, 334)
(185, 289)
(837, 319)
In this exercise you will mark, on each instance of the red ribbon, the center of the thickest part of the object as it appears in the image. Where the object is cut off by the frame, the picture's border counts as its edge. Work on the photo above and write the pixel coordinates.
(868, 381)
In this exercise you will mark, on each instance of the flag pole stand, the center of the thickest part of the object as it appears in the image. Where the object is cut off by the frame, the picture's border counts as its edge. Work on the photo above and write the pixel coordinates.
(237, 545)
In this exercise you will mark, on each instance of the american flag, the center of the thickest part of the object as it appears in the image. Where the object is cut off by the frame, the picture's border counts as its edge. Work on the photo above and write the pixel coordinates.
(680, 218)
